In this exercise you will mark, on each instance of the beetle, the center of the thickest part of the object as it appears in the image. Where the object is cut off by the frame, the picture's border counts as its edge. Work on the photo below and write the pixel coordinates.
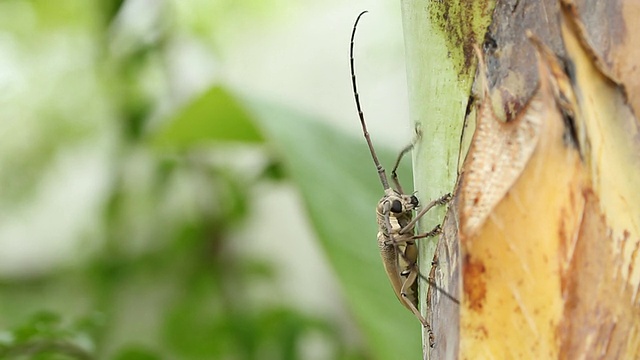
(396, 224)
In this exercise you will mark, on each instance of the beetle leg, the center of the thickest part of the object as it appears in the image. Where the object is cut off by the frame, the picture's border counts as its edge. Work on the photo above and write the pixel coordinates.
(413, 274)
(394, 175)
(441, 201)
(435, 231)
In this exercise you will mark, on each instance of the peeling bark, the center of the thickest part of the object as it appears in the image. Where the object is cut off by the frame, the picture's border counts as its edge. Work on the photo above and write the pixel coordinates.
(541, 242)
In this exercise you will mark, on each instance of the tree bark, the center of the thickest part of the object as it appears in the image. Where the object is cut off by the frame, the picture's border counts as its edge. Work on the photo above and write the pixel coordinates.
(541, 241)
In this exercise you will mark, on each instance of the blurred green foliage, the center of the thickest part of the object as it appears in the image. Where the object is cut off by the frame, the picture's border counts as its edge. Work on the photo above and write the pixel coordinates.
(164, 281)
(207, 119)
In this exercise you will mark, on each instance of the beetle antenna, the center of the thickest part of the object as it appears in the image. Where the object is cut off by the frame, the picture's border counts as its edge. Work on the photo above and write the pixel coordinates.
(381, 172)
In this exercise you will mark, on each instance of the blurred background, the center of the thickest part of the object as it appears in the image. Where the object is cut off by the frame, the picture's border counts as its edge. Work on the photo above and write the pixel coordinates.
(187, 179)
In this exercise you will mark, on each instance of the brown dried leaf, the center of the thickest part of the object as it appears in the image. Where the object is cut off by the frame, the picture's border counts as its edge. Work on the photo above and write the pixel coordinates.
(510, 238)
(550, 236)
(609, 30)
(512, 70)
(601, 278)
(499, 152)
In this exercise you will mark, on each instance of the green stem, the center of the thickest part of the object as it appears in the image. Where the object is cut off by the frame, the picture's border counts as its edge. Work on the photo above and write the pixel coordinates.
(439, 38)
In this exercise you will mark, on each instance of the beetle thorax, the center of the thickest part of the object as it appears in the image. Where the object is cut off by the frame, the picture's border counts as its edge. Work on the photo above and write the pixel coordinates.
(399, 207)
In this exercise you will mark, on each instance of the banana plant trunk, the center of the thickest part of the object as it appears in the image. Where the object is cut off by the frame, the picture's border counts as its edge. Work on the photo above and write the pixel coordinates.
(541, 148)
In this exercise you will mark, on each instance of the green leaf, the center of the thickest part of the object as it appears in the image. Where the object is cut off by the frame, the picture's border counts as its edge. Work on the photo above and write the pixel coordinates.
(340, 187)
(133, 352)
(45, 336)
(214, 116)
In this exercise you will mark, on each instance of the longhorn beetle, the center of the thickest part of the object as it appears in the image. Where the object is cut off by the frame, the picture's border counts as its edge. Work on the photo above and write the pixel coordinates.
(396, 239)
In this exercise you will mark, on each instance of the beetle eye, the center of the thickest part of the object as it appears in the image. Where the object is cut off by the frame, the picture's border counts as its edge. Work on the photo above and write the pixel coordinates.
(396, 206)
(414, 201)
